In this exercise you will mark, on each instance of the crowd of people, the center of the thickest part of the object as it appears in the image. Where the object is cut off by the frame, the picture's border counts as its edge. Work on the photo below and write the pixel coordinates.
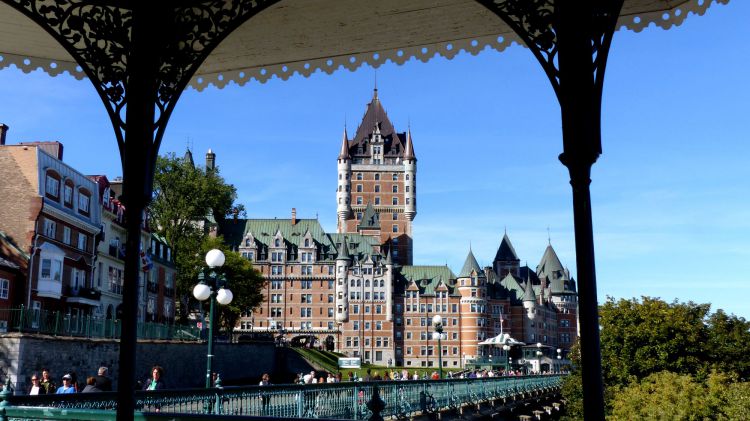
(44, 384)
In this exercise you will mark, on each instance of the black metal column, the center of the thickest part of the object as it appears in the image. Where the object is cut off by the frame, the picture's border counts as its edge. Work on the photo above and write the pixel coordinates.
(580, 105)
(138, 157)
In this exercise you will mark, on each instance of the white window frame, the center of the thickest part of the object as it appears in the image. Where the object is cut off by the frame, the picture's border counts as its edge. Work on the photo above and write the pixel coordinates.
(4, 288)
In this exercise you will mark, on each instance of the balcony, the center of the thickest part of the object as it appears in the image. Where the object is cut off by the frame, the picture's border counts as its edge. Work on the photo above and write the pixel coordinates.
(87, 296)
(49, 288)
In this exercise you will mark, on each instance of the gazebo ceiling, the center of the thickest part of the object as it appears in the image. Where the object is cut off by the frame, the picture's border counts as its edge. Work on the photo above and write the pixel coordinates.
(305, 36)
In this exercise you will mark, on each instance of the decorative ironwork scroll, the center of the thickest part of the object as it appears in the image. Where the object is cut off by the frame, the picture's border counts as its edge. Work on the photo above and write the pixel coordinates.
(535, 22)
(97, 34)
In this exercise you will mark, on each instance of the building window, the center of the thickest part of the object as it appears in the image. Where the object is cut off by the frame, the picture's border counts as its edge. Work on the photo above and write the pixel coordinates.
(395, 228)
(564, 323)
(395, 200)
(52, 187)
(51, 269)
(82, 240)
(66, 235)
(395, 188)
(377, 188)
(359, 176)
(395, 177)
(359, 188)
(68, 195)
(377, 177)
(359, 200)
(359, 216)
(50, 228)
(377, 200)
(83, 202)
(4, 288)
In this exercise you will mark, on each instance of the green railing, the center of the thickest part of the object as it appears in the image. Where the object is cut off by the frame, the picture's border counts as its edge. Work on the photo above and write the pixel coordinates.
(56, 323)
(350, 400)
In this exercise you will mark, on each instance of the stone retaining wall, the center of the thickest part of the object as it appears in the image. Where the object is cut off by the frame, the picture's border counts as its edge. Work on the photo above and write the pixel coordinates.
(184, 363)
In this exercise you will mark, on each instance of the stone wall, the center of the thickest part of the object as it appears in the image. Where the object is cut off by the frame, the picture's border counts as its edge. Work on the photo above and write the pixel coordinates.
(184, 363)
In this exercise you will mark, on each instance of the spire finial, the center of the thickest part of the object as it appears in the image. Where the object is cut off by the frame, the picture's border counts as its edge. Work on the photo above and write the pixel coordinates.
(549, 239)
(375, 90)
(505, 229)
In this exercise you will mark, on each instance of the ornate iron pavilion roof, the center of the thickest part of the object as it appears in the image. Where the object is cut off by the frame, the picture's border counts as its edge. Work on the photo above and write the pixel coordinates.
(302, 37)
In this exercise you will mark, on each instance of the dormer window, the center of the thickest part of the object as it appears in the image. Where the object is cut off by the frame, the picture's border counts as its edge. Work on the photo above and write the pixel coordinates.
(84, 202)
(247, 242)
(68, 194)
(307, 242)
(277, 242)
(52, 186)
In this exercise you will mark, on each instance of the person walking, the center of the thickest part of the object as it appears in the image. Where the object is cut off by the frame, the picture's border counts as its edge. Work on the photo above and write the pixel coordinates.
(47, 385)
(103, 382)
(156, 381)
(265, 380)
(67, 386)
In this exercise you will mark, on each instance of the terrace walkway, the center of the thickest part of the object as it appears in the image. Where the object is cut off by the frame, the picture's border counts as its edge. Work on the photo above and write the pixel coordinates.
(357, 400)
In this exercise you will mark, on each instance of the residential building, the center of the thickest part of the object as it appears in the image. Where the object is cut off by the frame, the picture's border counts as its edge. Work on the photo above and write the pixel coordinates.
(52, 215)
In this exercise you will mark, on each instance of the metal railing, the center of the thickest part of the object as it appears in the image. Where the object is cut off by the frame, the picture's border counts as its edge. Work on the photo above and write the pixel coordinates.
(349, 400)
(56, 323)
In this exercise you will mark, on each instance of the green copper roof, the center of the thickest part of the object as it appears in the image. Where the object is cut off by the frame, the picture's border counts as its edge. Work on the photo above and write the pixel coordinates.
(513, 286)
(428, 278)
(469, 266)
(550, 265)
(264, 232)
(528, 294)
(357, 245)
(370, 220)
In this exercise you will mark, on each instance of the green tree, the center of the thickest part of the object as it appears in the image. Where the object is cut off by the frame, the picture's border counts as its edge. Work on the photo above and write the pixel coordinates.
(729, 343)
(185, 200)
(663, 396)
(245, 283)
(646, 337)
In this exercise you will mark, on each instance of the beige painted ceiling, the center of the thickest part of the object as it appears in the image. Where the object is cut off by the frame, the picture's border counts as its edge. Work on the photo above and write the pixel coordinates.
(306, 36)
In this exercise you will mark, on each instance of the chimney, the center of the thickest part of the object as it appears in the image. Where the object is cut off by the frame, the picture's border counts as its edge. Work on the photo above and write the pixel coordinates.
(294, 216)
(210, 160)
(3, 131)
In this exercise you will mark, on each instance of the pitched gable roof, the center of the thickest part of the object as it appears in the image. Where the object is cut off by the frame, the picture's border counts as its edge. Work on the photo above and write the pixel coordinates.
(370, 220)
(427, 278)
(506, 252)
(550, 265)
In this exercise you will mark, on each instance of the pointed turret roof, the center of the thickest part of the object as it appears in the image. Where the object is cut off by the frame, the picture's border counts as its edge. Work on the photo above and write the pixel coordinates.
(550, 265)
(376, 120)
(528, 292)
(344, 252)
(388, 259)
(370, 220)
(189, 158)
(506, 252)
(409, 148)
(344, 153)
(469, 266)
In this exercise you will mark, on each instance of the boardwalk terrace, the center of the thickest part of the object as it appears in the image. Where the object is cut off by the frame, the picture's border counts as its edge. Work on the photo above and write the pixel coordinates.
(353, 291)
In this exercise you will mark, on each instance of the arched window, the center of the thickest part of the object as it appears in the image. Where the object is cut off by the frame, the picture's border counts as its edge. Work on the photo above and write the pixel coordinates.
(377, 177)
(277, 243)
(367, 283)
(247, 242)
(359, 176)
(395, 177)
(307, 242)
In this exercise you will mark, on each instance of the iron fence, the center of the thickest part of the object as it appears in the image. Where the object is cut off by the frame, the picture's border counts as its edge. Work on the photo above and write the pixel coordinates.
(56, 323)
(349, 400)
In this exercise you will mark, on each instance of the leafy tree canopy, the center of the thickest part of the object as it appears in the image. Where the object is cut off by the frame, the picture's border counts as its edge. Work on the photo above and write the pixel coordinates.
(185, 199)
(646, 337)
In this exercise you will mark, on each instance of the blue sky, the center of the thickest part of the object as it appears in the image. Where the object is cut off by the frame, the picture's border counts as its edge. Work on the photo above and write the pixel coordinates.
(670, 203)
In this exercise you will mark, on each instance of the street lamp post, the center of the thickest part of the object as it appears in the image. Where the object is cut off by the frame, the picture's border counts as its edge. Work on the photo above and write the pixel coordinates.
(559, 362)
(212, 287)
(539, 357)
(506, 348)
(437, 324)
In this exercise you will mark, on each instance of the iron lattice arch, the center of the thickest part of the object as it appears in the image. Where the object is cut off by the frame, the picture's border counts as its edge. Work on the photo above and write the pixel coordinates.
(99, 36)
